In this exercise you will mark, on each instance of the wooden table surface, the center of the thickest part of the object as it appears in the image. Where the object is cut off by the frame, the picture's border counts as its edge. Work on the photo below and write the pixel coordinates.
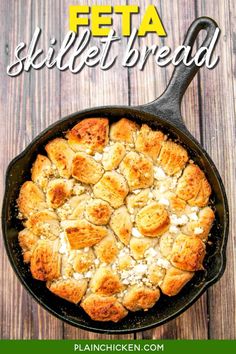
(32, 101)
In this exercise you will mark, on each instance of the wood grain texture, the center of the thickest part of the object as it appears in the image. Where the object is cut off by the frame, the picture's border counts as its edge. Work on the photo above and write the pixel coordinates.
(33, 100)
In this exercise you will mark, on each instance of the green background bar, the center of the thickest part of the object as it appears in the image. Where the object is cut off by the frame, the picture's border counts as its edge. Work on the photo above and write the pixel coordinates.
(117, 346)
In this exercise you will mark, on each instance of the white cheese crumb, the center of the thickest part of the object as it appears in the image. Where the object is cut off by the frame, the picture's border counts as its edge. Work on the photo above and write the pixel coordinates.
(136, 191)
(88, 274)
(135, 232)
(97, 157)
(78, 276)
(193, 217)
(159, 173)
(161, 262)
(106, 149)
(198, 230)
(182, 220)
(164, 201)
(174, 229)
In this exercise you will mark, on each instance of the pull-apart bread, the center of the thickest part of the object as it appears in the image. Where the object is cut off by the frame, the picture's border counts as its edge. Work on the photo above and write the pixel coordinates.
(114, 217)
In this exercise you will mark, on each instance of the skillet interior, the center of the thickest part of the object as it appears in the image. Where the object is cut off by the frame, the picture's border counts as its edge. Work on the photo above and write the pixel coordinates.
(166, 308)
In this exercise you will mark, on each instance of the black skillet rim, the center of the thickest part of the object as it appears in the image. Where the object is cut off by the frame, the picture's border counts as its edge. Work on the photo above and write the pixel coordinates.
(225, 229)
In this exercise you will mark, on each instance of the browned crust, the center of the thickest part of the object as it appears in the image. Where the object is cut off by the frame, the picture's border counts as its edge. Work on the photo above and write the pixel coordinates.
(27, 241)
(106, 250)
(121, 224)
(40, 170)
(58, 192)
(140, 298)
(31, 198)
(112, 188)
(174, 280)
(103, 308)
(193, 186)
(82, 233)
(188, 253)
(105, 282)
(138, 170)
(149, 142)
(90, 133)
(172, 158)
(98, 212)
(153, 220)
(123, 130)
(69, 289)
(86, 169)
(45, 261)
(61, 155)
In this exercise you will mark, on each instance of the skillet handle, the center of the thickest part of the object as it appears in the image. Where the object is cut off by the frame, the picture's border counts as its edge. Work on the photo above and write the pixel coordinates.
(170, 100)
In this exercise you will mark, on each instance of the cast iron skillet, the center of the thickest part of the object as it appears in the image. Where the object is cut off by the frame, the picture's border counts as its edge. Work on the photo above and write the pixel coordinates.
(163, 113)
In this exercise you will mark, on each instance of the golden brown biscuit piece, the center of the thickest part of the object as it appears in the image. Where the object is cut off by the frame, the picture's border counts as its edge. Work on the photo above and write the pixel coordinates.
(82, 233)
(103, 308)
(112, 188)
(105, 282)
(27, 241)
(106, 250)
(166, 244)
(172, 158)
(121, 224)
(69, 289)
(44, 223)
(174, 281)
(85, 169)
(202, 226)
(113, 156)
(125, 262)
(78, 205)
(123, 130)
(89, 134)
(140, 298)
(41, 170)
(138, 246)
(193, 186)
(137, 201)
(149, 142)
(156, 274)
(58, 191)
(188, 253)
(83, 261)
(61, 156)
(138, 170)
(98, 211)
(45, 261)
(153, 220)
(177, 205)
(31, 199)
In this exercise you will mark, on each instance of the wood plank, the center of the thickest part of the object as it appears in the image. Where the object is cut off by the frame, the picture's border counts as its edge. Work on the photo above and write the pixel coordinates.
(145, 87)
(218, 111)
(31, 103)
(92, 87)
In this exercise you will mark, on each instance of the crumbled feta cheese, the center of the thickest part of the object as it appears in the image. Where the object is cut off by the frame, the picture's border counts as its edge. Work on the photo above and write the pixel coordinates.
(136, 191)
(78, 276)
(161, 262)
(164, 201)
(97, 156)
(88, 274)
(193, 217)
(194, 209)
(106, 149)
(198, 230)
(96, 262)
(150, 252)
(63, 248)
(86, 249)
(159, 173)
(174, 229)
(182, 220)
(135, 232)
(140, 268)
